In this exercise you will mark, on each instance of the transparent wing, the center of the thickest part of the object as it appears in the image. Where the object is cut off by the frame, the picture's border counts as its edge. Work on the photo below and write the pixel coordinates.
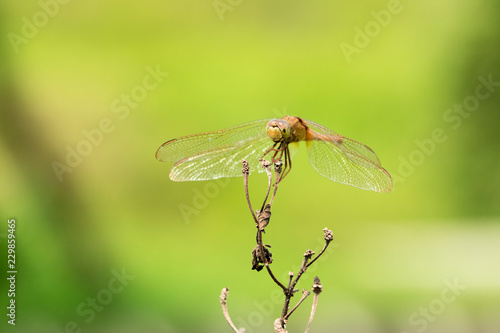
(216, 154)
(346, 161)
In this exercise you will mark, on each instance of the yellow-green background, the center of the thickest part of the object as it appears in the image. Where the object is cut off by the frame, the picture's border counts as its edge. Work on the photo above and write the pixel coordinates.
(392, 253)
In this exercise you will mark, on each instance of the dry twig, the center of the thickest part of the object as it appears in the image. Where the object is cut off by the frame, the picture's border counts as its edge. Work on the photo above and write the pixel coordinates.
(262, 257)
(317, 288)
(223, 302)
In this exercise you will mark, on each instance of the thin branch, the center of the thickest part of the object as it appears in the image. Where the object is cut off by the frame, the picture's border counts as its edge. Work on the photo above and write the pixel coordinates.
(290, 275)
(277, 173)
(246, 171)
(274, 278)
(223, 302)
(328, 236)
(262, 255)
(305, 293)
(290, 290)
(266, 165)
(306, 262)
(303, 267)
(317, 288)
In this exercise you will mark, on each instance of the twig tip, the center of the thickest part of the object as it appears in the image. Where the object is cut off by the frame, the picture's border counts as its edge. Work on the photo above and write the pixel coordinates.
(264, 163)
(328, 235)
(223, 295)
(317, 287)
(309, 253)
(246, 167)
(278, 166)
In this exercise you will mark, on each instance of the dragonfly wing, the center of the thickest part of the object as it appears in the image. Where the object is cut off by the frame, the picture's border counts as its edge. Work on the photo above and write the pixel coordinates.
(346, 161)
(216, 154)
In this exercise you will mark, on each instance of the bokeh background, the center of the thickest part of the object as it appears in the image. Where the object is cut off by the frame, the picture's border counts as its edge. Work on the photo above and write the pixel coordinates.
(424, 258)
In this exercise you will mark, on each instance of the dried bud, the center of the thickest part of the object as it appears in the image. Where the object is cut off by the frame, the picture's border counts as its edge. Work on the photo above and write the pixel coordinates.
(309, 253)
(317, 286)
(328, 235)
(264, 163)
(223, 295)
(257, 262)
(246, 167)
(278, 166)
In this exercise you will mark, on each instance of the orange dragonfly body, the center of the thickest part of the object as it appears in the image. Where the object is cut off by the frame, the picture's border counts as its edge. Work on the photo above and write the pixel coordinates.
(218, 154)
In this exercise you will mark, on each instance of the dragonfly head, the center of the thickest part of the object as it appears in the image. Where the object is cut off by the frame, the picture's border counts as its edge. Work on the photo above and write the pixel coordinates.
(278, 129)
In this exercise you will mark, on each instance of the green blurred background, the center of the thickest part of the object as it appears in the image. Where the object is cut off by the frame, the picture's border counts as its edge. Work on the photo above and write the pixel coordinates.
(67, 68)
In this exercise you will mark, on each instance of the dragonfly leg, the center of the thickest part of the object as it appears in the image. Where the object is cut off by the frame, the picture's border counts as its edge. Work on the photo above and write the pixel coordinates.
(287, 163)
(281, 153)
(277, 151)
(270, 150)
(289, 159)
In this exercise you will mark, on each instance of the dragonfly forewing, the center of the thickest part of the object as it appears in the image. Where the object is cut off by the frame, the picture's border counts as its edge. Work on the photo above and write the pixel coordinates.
(216, 154)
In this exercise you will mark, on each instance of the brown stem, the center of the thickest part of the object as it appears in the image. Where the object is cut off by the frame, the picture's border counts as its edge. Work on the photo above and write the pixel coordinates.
(263, 257)
(290, 274)
(328, 236)
(306, 262)
(305, 293)
(290, 290)
(274, 278)
(303, 267)
(246, 171)
(266, 165)
(277, 174)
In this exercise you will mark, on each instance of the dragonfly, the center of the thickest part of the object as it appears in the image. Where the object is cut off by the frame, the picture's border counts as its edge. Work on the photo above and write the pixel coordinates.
(218, 154)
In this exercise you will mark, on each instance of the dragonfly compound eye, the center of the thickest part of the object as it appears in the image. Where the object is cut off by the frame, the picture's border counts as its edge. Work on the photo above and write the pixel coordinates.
(275, 130)
(284, 127)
